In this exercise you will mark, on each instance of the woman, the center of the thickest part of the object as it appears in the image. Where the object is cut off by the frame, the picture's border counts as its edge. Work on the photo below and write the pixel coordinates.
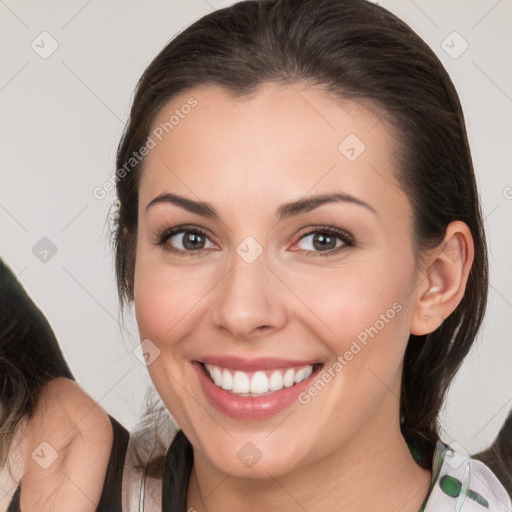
(58, 449)
(300, 234)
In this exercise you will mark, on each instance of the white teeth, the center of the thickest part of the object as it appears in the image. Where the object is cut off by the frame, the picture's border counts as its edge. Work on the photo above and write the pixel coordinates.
(299, 376)
(240, 383)
(227, 380)
(217, 376)
(276, 381)
(288, 378)
(257, 383)
(302, 374)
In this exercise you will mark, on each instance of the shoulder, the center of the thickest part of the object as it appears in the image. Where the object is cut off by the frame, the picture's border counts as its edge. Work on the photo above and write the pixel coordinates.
(66, 449)
(64, 397)
(460, 482)
(69, 420)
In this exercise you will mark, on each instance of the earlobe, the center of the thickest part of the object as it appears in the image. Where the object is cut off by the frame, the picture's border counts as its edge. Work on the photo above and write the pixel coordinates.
(444, 283)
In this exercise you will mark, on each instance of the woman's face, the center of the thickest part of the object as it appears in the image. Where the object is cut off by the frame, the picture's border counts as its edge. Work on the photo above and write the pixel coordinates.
(259, 290)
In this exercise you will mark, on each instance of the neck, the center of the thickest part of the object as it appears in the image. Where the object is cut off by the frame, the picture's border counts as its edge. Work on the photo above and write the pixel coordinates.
(373, 470)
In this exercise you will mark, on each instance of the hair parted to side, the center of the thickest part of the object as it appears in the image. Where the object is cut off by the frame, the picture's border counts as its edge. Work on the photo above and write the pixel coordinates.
(352, 50)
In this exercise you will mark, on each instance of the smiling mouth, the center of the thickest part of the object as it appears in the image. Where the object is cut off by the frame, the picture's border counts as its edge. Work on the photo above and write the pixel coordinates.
(258, 383)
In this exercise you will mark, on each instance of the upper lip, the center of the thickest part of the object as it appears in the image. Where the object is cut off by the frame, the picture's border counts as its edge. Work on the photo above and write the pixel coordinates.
(258, 363)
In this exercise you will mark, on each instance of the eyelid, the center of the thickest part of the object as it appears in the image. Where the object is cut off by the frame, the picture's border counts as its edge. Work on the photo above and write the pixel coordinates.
(334, 231)
(346, 238)
(164, 235)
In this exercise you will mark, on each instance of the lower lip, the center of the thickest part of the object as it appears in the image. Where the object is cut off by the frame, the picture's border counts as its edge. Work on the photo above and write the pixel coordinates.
(259, 407)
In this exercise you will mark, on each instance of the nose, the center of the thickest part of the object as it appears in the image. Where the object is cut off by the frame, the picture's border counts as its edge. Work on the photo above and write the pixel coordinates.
(249, 301)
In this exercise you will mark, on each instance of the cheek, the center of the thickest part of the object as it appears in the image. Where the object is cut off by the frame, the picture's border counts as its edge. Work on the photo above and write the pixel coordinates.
(169, 299)
(166, 307)
(361, 306)
(161, 300)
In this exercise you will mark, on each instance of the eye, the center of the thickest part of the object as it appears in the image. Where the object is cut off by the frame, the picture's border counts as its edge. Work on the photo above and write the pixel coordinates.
(184, 240)
(325, 241)
(192, 241)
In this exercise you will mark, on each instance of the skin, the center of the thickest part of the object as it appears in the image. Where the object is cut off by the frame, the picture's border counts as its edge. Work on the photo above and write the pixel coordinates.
(80, 434)
(246, 157)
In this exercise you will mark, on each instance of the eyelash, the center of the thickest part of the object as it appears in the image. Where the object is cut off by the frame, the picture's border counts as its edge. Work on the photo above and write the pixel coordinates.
(163, 236)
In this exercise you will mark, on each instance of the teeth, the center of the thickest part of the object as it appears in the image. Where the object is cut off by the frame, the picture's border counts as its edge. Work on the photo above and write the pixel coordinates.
(276, 381)
(240, 382)
(217, 376)
(299, 376)
(257, 383)
(227, 380)
(288, 378)
(303, 374)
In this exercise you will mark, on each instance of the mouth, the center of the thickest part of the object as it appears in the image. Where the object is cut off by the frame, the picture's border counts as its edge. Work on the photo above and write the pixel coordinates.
(260, 382)
(257, 389)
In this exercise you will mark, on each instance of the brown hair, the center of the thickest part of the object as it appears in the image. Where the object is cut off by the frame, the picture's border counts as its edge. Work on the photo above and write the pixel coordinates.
(352, 49)
(30, 358)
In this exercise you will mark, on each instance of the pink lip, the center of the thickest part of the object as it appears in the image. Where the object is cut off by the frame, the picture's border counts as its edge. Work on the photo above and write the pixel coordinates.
(252, 365)
(252, 408)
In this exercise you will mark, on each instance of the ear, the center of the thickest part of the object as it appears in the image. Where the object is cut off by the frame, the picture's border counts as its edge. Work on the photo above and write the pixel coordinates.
(446, 273)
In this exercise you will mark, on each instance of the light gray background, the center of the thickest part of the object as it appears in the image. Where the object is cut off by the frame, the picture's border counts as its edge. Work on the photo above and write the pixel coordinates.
(61, 120)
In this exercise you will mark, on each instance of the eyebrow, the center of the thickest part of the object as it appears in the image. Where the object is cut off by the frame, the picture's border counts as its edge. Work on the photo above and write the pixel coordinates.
(285, 211)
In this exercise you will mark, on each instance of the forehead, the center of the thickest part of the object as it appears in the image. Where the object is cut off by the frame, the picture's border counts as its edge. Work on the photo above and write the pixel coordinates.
(281, 142)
